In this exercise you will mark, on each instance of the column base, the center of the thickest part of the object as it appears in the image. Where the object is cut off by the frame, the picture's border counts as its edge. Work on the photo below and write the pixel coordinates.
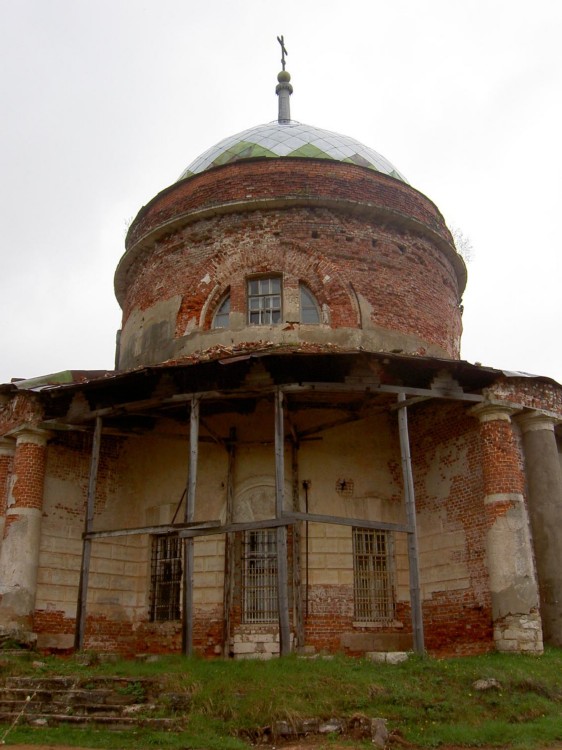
(16, 635)
(519, 634)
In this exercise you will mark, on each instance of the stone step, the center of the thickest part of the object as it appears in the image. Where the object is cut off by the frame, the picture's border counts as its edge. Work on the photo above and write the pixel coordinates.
(71, 697)
(113, 722)
(116, 702)
(69, 682)
(85, 709)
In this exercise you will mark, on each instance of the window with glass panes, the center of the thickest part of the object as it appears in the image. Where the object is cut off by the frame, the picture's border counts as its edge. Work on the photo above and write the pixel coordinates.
(310, 311)
(264, 301)
(222, 315)
(372, 575)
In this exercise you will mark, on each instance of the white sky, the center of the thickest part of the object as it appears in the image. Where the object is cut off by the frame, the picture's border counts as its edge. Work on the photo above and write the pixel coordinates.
(104, 102)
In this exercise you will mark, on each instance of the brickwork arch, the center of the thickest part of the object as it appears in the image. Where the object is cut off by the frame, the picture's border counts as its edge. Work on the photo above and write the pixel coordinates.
(228, 272)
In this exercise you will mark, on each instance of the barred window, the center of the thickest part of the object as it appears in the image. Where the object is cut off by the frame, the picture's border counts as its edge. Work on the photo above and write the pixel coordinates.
(260, 576)
(165, 578)
(264, 301)
(372, 575)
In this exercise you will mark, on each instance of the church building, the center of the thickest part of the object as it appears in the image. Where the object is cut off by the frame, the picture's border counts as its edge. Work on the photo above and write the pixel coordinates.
(290, 455)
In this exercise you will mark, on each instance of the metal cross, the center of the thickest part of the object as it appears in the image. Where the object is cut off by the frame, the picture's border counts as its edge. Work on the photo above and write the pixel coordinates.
(283, 50)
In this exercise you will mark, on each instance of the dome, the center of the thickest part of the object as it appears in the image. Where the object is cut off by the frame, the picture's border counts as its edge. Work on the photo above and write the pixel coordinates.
(290, 139)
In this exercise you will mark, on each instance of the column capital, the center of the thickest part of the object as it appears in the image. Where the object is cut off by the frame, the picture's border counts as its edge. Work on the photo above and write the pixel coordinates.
(7, 446)
(488, 412)
(530, 421)
(27, 433)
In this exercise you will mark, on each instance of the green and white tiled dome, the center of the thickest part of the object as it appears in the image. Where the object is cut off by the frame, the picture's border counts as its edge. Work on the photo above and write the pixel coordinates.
(288, 139)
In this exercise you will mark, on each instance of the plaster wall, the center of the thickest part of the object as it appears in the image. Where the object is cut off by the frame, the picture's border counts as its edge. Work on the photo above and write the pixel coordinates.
(351, 470)
(452, 524)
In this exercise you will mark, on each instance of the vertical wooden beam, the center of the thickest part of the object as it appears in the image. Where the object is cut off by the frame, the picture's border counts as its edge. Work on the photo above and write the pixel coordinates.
(413, 553)
(282, 567)
(187, 612)
(228, 594)
(87, 543)
(297, 588)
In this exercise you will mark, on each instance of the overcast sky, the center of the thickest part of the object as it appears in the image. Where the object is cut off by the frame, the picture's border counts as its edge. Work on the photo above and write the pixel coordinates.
(105, 102)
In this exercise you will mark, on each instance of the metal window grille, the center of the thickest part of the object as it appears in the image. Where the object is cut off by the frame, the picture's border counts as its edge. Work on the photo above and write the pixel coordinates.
(373, 586)
(165, 578)
(264, 301)
(260, 576)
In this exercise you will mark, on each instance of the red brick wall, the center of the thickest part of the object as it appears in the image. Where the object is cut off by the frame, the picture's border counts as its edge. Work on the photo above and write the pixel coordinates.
(6, 463)
(29, 470)
(456, 621)
(22, 408)
(501, 458)
(268, 179)
(529, 392)
(129, 639)
(408, 283)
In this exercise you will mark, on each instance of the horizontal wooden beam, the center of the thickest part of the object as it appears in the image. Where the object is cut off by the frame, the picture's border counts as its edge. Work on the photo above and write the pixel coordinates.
(375, 387)
(365, 387)
(290, 518)
(203, 528)
(266, 523)
(160, 529)
(341, 521)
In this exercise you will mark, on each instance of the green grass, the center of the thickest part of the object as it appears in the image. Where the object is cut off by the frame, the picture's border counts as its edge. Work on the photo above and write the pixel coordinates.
(428, 702)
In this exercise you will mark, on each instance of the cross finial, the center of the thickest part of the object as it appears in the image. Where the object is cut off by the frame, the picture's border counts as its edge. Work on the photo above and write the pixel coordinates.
(284, 52)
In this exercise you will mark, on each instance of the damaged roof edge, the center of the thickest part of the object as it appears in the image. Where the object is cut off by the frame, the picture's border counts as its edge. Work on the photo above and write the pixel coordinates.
(69, 379)
(64, 377)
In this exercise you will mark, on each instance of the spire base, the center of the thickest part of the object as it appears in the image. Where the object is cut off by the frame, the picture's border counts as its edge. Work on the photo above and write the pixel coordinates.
(284, 91)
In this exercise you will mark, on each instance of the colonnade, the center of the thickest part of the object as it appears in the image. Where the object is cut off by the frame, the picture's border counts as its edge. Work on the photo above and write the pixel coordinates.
(523, 539)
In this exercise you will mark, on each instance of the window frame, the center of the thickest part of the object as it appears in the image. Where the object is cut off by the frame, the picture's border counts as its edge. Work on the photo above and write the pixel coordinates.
(312, 304)
(221, 313)
(259, 300)
(374, 598)
(166, 570)
(259, 577)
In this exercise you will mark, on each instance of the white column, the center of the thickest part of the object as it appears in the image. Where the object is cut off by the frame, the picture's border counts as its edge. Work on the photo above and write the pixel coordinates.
(544, 482)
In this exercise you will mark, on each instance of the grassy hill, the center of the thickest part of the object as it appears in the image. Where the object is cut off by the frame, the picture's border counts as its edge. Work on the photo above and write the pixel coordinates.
(229, 704)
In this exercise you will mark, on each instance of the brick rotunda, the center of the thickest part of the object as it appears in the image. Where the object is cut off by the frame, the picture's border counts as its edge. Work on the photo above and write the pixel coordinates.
(289, 455)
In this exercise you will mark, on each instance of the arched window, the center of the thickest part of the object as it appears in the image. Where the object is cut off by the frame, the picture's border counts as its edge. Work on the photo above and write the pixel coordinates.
(222, 315)
(310, 310)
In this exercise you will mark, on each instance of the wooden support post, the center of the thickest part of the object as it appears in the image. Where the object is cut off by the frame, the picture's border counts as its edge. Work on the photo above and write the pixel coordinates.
(229, 547)
(187, 613)
(297, 588)
(413, 554)
(87, 543)
(282, 567)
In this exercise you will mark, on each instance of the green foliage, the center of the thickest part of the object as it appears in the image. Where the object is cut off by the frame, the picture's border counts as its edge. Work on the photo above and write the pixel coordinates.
(134, 690)
(428, 702)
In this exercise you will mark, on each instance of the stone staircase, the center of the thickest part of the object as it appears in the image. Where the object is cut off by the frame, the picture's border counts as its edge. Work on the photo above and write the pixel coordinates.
(117, 702)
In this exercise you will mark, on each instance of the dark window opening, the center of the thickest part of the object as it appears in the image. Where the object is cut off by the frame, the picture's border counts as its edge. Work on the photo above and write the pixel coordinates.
(260, 576)
(372, 575)
(165, 578)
